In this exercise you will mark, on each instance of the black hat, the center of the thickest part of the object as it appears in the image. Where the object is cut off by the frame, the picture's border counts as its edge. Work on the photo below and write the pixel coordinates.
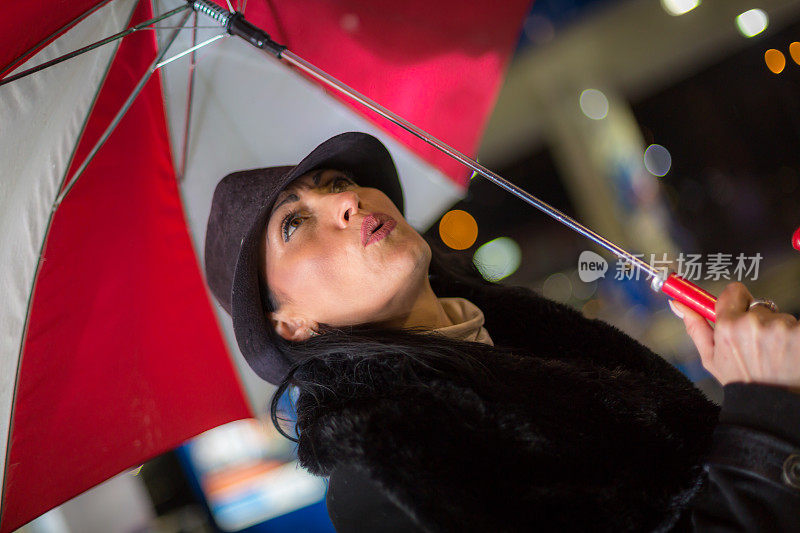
(239, 213)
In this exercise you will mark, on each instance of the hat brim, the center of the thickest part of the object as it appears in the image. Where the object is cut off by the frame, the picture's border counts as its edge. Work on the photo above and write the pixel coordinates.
(369, 160)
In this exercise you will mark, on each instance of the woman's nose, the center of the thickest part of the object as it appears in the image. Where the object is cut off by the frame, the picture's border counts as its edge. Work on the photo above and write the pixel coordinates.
(347, 204)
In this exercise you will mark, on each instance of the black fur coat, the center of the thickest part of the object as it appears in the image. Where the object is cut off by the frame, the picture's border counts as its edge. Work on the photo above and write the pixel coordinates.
(583, 429)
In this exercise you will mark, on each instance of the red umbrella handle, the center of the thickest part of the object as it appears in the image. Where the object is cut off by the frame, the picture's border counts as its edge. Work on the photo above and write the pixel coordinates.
(696, 298)
(690, 295)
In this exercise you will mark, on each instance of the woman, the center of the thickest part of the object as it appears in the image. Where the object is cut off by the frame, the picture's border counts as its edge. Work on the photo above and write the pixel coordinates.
(438, 401)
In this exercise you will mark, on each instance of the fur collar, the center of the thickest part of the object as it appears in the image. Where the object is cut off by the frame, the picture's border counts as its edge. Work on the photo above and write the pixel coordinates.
(584, 429)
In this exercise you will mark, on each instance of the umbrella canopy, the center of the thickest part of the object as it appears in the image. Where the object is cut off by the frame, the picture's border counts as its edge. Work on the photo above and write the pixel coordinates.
(112, 350)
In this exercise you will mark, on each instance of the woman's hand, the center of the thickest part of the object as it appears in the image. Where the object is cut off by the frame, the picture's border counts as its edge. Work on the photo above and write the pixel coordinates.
(751, 346)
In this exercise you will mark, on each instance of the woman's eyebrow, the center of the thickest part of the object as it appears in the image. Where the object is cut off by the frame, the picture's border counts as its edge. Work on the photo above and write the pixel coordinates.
(293, 197)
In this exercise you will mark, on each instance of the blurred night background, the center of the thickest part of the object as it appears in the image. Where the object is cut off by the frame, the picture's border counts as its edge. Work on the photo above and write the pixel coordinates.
(671, 127)
(700, 90)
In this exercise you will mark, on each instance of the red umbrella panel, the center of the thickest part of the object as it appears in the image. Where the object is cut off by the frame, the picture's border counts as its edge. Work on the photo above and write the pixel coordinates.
(112, 350)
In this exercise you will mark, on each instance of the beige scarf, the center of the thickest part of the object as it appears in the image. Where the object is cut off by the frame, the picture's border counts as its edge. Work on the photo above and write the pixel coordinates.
(467, 321)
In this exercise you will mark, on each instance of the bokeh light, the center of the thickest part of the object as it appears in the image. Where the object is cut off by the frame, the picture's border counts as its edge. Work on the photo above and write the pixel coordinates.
(794, 51)
(498, 258)
(581, 289)
(751, 23)
(679, 7)
(458, 229)
(557, 287)
(594, 104)
(591, 309)
(775, 60)
(657, 160)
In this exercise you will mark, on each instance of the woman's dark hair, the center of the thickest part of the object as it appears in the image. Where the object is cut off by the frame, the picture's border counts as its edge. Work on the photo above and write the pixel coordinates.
(450, 274)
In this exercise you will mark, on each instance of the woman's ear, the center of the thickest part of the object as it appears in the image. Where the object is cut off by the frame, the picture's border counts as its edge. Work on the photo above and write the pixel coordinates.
(292, 328)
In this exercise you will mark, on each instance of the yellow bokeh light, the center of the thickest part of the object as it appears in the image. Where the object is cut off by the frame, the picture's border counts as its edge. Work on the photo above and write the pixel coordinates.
(794, 51)
(775, 60)
(591, 309)
(458, 229)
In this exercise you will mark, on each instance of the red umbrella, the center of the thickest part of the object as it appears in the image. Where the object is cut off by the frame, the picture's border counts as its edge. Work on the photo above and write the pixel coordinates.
(111, 348)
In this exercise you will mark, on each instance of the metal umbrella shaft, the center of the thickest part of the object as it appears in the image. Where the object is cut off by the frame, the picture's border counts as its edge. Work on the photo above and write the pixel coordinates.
(669, 283)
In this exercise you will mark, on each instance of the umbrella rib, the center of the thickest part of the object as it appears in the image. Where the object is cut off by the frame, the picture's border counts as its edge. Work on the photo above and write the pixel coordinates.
(182, 28)
(191, 50)
(189, 99)
(121, 113)
(38, 46)
(92, 46)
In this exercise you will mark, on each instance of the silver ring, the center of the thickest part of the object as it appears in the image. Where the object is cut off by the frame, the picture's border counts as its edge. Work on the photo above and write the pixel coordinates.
(769, 304)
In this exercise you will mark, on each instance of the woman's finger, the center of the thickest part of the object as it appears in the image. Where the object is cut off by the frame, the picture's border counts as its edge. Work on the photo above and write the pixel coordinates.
(701, 333)
(764, 313)
(767, 315)
(733, 301)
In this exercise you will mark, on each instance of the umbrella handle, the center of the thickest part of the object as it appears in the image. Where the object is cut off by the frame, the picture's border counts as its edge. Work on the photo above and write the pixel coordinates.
(691, 296)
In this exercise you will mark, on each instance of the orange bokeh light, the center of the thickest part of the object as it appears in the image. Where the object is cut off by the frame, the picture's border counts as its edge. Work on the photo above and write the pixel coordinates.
(794, 51)
(458, 229)
(775, 60)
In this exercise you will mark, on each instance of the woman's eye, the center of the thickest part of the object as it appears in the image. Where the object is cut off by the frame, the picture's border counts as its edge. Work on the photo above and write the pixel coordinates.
(292, 218)
(288, 223)
(338, 179)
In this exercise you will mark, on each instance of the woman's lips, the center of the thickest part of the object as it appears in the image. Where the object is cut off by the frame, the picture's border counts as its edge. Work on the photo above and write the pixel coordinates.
(370, 234)
(382, 232)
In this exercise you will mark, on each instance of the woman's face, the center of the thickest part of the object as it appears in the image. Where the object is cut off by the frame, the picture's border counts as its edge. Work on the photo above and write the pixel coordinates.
(317, 266)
